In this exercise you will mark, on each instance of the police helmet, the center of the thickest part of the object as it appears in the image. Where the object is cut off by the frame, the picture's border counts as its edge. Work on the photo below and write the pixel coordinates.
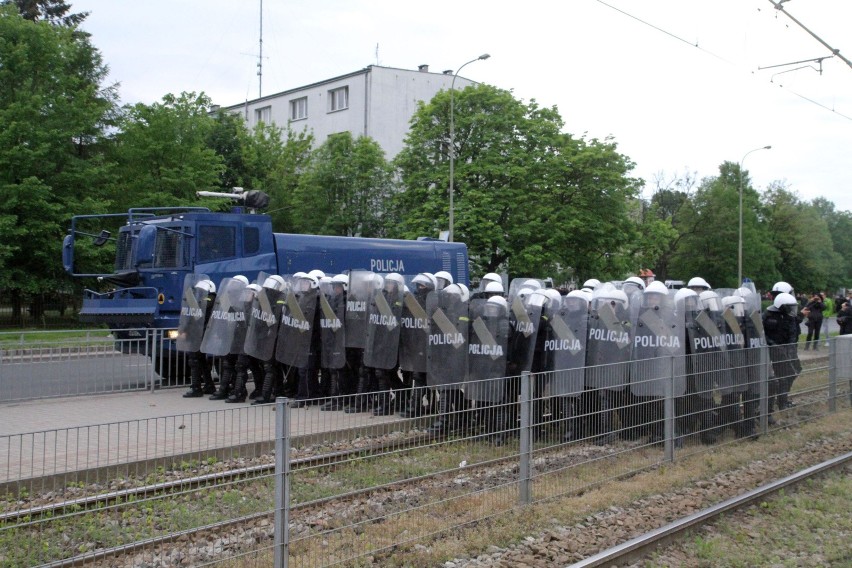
(443, 279)
(575, 300)
(425, 280)
(698, 282)
(656, 287)
(206, 285)
(782, 288)
(241, 278)
(299, 274)
(635, 280)
(490, 277)
(498, 301)
(494, 287)
(584, 292)
(395, 278)
(312, 282)
(736, 304)
(786, 303)
(465, 292)
(613, 297)
(591, 283)
(378, 281)
(743, 292)
(538, 298)
(532, 283)
(317, 273)
(686, 299)
(254, 288)
(710, 300)
(342, 279)
(275, 282)
(553, 295)
(325, 280)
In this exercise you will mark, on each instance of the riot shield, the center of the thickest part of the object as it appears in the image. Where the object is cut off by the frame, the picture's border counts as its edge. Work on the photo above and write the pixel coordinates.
(733, 327)
(658, 348)
(332, 328)
(193, 308)
(265, 317)
(414, 335)
(709, 366)
(487, 349)
(608, 344)
(757, 352)
(565, 346)
(222, 326)
(383, 327)
(357, 300)
(448, 328)
(524, 321)
(521, 285)
(242, 313)
(296, 330)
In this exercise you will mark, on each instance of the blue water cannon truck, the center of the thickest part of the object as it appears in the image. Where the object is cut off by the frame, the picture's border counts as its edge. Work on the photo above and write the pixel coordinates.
(155, 248)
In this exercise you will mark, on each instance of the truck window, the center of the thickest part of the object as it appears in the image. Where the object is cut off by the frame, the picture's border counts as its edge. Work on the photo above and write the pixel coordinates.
(251, 240)
(167, 253)
(216, 242)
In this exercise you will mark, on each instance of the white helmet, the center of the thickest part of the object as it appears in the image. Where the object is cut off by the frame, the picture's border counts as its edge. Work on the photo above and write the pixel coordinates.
(206, 285)
(342, 279)
(782, 287)
(312, 280)
(637, 281)
(785, 303)
(710, 300)
(254, 288)
(494, 287)
(425, 280)
(584, 293)
(325, 280)
(317, 273)
(498, 300)
(576, 300)
(532, 283)
(591, 283)
(446, 277)
(697, 282)
(656, 287)
(553, 295)
(490, 277)
(241, 278)
(735, 303)
(684, 293)
(613, 296)
(743, 292)
(465, 292)
(300, 274)
(395, 278)
(538, 298)
(275, 282)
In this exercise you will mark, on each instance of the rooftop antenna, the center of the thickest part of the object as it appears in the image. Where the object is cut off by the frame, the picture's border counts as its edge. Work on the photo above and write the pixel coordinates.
(377, 54)
(260, 56)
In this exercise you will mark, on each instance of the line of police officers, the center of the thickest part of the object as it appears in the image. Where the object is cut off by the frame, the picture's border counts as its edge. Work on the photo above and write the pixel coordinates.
(602, 358)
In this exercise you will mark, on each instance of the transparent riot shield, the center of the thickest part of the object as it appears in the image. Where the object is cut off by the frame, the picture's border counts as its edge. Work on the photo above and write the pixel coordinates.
(708, 365)
(448, 329)
(487, 350)
(193, 308)
(242, 313)
(523, 287)
(524, 320)
(332, 328)
(658, 348)
(264, 320)
(361, 286)
(414, 335)
(757, 352)
(383, 329)
(296, 330)
(565, 346)
(609, 343)
(222, 326)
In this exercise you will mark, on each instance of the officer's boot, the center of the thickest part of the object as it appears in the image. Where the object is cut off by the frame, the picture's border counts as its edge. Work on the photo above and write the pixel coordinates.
(335, 402)
(270, 377)
(359, 399)
(195, 390)
(384, 405)
(569, 423)
(605, 420)
(238, 394)
(206, 366)
(258, 376)
(497, 423)
(226, 380)
(730, 415)
(415, 399)
(441, 424)
(746, 428)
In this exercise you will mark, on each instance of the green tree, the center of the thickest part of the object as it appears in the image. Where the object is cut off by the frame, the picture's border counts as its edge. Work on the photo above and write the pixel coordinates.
(709, 233)
(839, 225)
(528, 197)
(164, 154)
(53, 110)
(51, 11)
(345, 189)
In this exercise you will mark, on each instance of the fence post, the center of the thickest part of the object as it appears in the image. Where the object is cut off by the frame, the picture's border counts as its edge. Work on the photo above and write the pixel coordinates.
(669, 414)
(155, 347)
(281, 555)
(525, 433)
(832, 375)
(763, 373)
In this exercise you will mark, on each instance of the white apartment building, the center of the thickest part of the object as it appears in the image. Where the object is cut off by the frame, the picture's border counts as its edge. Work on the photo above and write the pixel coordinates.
(375, 101)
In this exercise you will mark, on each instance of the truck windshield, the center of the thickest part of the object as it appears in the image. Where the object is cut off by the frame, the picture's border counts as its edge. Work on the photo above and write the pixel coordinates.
(168, 249)
(122, 251)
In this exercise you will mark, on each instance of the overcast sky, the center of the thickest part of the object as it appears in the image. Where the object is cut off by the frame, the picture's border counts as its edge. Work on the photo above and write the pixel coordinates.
(679, 91)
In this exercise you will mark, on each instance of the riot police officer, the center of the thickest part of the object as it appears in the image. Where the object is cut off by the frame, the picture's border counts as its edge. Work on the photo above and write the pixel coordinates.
(782, 334)
(201, 379)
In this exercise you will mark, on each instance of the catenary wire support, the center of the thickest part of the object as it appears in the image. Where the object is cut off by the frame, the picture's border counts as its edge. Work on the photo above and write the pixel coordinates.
(281, 547)
(525, 489)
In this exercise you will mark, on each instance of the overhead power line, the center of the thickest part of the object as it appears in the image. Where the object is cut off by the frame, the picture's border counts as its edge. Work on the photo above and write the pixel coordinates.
(779, 6)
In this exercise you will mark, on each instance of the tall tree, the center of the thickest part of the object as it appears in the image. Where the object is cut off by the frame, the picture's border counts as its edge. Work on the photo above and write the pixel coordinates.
(346, 188)
(51, 11)
(53, 110)
(528, 197)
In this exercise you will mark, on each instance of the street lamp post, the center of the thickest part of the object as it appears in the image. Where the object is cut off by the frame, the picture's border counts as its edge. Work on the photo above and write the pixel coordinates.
(483, 57)
(740, 241)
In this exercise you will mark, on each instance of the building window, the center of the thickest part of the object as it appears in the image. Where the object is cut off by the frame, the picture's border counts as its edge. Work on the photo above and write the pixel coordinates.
(338, 99)
(263, 114)
(299, 108)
